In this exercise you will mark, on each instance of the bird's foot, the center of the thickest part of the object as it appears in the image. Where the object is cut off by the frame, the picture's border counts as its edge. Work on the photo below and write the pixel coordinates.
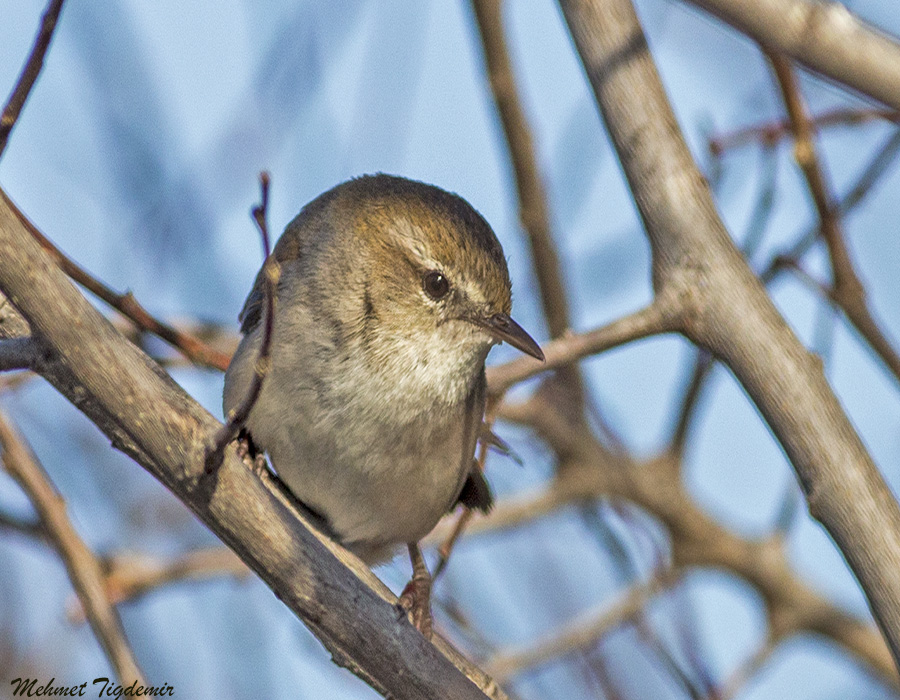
(415, 600)
(249, 453)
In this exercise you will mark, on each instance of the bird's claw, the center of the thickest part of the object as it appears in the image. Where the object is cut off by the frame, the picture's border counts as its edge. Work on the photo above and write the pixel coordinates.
(249, 453)
(415, 602)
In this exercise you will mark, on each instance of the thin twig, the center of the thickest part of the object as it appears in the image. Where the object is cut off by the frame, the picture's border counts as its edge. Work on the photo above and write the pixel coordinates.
(83, 568)
(864, 184)
(224, 338)
(817, 286)
(848, 291)
(600, 667)
(703, 364)
(660, 562)
(651, 320)
(194, 349)
(764, 206)
(807, 158)
(487, 440)
(745, 672)
(689, 639)
(771, 133)
(653, 642)
(271, 273)
(29, 528)
(30, 72)
(587, 629)
(462, 520)
(446, 548)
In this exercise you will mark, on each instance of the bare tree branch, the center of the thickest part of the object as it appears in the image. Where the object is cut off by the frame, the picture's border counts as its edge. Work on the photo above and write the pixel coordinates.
(130, 576)
(237, 417)
(83, 567)
(703, 365)
(697, 540)
(194, 349)
(585, 630)
(17, 353)
(703, 362)
(847, 291)
(659, 317)
(747, 670)
(870, 176)
(532, 199)
(772, 132)
(826, 37)
(29, 528)
(30, 72)
(726, 309)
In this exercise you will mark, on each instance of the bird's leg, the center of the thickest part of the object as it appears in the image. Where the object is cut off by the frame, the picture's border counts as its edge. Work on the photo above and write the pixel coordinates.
(416, 597)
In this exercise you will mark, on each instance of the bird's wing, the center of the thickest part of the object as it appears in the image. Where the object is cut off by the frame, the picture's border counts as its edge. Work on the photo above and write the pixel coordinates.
(310, 223)
(251, 314)
(474, 491)
(287, 249)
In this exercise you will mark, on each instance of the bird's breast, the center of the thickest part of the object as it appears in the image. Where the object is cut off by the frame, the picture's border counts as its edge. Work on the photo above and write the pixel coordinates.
(377, 483)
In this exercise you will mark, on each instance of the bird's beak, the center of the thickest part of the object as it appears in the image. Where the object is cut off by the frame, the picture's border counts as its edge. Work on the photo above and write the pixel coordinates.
(502, 327)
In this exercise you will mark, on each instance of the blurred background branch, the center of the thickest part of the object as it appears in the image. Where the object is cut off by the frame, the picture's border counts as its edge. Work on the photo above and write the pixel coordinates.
(83, 567)
(847, 290)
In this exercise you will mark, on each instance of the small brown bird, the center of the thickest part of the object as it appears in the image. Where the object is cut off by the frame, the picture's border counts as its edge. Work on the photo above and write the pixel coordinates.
(391, 294)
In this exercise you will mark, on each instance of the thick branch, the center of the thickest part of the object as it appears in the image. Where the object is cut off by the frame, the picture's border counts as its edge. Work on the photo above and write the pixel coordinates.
(150, 418)
(824, 36)
(727, 310)
(83, 567)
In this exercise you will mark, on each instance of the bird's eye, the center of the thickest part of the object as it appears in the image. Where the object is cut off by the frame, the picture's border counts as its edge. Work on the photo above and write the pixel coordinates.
(435, 284)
